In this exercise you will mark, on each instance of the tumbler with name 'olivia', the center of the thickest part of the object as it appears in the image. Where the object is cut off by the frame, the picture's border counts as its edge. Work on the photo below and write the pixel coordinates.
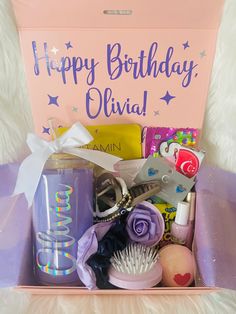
(62, 212)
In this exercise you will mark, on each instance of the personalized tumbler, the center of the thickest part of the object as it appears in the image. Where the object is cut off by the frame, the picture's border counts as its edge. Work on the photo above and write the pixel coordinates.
(62, 212)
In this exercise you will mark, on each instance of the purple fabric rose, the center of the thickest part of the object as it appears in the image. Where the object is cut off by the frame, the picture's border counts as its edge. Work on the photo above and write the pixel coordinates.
(145, 224)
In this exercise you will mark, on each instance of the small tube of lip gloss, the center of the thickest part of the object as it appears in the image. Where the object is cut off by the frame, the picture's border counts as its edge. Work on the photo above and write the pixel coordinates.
(191, 198)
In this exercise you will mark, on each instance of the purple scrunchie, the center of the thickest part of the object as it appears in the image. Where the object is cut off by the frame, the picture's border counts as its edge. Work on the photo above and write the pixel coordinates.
(145, 224)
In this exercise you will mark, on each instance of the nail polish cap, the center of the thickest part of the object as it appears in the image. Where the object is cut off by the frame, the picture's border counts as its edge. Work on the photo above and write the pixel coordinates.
(182, 213)
(191, 199)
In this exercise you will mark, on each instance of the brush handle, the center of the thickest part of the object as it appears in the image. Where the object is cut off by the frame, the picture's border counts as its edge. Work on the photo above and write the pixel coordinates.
(136, 282)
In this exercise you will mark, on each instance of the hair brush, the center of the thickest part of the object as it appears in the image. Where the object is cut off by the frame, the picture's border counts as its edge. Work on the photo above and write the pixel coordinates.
(136, 267)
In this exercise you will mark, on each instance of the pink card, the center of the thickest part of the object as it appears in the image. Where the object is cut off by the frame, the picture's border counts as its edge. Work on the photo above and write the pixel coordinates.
(122, 62)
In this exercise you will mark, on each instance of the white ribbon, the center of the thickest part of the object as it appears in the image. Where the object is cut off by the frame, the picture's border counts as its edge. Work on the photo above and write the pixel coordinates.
(32, 167)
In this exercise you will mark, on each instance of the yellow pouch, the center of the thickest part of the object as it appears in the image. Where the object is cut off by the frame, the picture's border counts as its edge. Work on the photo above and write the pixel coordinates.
(121, 140)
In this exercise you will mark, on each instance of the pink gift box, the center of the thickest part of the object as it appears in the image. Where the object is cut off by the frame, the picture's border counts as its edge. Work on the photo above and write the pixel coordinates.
(103, 62)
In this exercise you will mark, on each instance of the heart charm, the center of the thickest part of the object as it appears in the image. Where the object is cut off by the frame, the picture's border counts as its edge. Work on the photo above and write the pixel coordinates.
(152, 172)
(182, 280)
(180, 189)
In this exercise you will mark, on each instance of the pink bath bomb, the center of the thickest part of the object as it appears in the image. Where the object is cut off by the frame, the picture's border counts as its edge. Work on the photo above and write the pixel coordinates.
(178, 266)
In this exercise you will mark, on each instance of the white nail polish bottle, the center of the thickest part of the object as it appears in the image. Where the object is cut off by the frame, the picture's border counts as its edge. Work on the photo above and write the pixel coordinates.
(180, 227)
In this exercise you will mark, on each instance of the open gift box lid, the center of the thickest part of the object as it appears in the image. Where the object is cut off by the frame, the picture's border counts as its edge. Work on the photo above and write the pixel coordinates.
(118, 62)
(214, 243)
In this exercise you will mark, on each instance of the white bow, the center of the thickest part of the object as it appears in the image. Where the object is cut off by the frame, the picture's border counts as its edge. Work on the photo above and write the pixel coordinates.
(32, 167)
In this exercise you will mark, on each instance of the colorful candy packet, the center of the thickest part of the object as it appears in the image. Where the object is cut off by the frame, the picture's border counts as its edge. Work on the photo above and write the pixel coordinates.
(155, 136)
(168, 212)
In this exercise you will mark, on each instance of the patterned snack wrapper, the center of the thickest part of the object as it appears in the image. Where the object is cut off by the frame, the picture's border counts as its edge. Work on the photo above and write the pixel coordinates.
(154, 137)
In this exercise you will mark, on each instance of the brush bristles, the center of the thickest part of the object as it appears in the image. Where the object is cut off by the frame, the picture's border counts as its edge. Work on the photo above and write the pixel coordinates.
(134, 259)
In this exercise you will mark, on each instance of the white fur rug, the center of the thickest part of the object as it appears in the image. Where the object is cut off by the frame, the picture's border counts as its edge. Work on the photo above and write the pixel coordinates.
(218, 140)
